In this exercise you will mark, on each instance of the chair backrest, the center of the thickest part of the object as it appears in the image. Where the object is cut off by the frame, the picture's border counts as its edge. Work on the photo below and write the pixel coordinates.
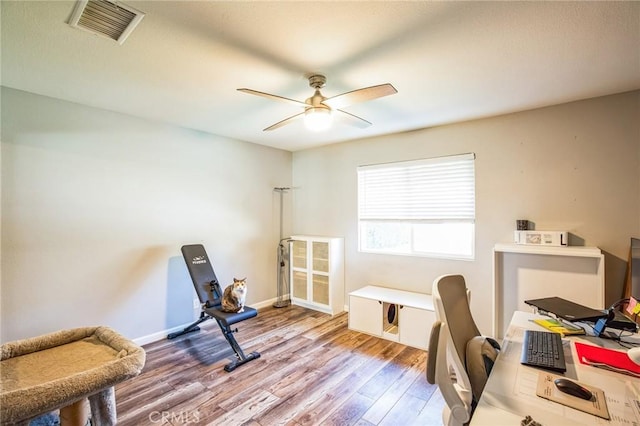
(457, 411)
(455, 312)
(447, 347)
(204, 279)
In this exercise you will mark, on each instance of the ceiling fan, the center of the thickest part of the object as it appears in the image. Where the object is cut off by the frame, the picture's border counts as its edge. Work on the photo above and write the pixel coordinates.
(318, 109)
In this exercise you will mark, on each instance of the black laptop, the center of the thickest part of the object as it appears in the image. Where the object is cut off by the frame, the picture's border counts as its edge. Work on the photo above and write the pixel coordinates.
(566, 309)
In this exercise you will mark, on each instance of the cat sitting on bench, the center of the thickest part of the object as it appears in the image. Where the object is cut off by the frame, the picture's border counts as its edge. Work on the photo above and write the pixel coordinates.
(234, 296)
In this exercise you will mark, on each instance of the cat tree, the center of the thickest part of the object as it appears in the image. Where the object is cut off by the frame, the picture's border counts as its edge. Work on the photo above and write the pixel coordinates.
(61, 370)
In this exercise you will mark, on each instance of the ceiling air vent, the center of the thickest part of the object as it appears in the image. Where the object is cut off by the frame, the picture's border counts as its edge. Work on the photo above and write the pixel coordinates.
(106, 18)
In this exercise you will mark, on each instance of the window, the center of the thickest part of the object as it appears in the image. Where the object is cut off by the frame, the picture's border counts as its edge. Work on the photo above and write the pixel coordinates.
(421, 208)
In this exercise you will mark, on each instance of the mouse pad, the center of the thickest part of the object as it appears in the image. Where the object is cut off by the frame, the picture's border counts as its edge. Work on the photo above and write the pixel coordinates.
(547, 389)
(618, 361)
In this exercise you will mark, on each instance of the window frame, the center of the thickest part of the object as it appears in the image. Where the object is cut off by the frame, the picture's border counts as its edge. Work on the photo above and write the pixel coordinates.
(426, 215)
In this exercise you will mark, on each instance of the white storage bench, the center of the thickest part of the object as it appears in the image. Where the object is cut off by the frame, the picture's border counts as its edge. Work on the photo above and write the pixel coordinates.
(397, 315)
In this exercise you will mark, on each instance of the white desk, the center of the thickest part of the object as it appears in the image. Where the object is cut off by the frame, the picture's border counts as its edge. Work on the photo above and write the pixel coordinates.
(510, 392)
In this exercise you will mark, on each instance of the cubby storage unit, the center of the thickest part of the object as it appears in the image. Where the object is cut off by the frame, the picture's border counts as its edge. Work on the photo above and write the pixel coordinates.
(401, 316)
(317, 273)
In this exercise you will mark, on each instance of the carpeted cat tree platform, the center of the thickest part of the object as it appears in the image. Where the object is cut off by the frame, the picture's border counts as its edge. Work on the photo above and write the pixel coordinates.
(60, 370)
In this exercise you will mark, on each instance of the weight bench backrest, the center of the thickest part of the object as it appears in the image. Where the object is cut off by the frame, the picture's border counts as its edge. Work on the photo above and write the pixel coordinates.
(210, 295)
(202, 275)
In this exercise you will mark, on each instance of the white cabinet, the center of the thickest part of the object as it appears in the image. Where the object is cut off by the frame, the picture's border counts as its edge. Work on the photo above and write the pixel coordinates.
(401, 316)
(317, 273)
(365, 315)
(415, 326)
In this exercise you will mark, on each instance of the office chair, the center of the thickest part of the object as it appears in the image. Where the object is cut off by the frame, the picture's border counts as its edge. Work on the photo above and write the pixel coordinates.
(459, 357)
(210, 295)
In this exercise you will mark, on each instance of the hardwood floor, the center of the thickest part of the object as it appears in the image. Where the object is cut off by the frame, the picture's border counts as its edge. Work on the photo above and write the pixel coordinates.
(313, 370)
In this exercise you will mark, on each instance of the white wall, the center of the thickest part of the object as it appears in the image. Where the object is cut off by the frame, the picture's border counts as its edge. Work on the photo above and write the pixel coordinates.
(95, 205)
(573, 167)
(95, 208)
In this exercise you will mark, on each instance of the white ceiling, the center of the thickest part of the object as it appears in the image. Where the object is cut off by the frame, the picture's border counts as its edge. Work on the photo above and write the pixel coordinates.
(449, 61)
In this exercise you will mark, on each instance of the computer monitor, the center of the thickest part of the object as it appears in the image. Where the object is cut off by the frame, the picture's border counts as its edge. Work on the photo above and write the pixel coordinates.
(634, 268)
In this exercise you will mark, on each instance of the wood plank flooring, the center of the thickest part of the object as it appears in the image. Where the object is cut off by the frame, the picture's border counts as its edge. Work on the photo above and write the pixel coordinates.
(313, 370)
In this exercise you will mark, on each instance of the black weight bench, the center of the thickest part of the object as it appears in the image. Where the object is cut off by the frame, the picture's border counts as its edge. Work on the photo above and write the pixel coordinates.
(210, 295)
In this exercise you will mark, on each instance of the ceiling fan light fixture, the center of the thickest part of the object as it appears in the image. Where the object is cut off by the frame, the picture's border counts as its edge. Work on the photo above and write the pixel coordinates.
(317, 119)
(319, 110)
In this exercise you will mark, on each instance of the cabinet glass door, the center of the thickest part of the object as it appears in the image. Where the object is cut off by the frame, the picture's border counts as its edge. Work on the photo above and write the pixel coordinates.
(321, 289)
(300, 285)
(299, 254)
(320, 256)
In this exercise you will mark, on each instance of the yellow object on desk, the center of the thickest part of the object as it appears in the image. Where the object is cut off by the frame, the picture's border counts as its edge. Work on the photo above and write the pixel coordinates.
(557, 326)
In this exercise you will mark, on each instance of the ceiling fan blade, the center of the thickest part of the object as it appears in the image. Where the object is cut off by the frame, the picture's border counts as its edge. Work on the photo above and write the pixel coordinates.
(353, 120)
(360, 95)
(273, 97)
(284, 122)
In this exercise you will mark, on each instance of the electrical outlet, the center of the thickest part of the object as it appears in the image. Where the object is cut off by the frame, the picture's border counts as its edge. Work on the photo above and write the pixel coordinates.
(196, 304)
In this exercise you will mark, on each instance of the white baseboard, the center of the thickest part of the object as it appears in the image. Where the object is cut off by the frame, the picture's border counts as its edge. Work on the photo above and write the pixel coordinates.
(264, 304)
(161, 335)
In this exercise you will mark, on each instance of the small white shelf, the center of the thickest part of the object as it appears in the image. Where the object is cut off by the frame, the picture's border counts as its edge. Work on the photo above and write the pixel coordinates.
(573, 251)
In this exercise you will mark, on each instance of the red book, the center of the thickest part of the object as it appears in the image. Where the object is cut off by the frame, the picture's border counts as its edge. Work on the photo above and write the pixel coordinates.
(609, 359)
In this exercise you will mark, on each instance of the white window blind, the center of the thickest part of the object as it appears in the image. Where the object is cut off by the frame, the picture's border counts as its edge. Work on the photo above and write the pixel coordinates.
(431, 189)
(421, 207)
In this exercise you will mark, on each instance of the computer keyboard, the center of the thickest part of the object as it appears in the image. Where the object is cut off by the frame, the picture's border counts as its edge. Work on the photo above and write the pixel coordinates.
(543, 349)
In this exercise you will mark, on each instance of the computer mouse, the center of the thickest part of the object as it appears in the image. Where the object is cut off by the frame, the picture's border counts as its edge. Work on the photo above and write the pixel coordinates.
(634, 354)
(572, 388)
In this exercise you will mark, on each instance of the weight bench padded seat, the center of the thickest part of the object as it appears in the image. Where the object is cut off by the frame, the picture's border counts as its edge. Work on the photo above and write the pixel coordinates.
(210, 296)
(230, 318)
(56, 370)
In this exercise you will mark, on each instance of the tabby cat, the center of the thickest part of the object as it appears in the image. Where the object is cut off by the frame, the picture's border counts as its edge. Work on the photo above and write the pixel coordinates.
(234, 296)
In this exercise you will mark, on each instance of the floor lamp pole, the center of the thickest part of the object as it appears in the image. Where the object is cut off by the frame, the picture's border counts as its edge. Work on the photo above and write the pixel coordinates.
(282, 289)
